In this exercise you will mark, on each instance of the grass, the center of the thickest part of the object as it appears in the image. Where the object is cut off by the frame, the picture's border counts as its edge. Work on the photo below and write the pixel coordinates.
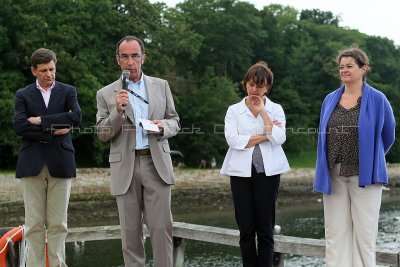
(305, 159)
(7, 172)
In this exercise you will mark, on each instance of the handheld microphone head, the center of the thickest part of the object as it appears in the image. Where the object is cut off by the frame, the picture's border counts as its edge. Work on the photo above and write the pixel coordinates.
(126, 74)
(125, 77)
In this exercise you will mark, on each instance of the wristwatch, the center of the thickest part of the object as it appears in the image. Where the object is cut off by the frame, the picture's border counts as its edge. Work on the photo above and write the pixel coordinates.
(40, 120)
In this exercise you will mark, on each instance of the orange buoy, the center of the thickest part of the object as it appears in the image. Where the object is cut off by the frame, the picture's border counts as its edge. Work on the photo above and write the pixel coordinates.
(11, 237)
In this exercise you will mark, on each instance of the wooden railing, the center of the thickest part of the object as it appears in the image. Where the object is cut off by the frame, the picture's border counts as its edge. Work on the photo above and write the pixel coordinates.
(217, 235)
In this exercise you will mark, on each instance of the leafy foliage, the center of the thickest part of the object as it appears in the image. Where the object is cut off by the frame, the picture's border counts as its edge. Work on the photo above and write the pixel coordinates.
(202, 111)
(203, 48)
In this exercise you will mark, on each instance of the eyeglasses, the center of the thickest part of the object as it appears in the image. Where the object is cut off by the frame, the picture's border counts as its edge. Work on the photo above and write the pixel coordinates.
(134, 57)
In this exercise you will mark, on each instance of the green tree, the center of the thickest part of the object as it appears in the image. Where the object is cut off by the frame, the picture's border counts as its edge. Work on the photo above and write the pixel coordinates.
(85, 45)
(202, 112)
(229, 31)
(319, 17)
(202, 47)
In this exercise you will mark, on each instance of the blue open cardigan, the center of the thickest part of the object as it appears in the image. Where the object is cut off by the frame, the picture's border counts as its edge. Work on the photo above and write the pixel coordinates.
(376, 126)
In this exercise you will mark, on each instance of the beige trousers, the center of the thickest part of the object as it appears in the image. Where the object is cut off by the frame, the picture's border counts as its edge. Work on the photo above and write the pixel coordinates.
(148, 199)
(46, 202)
(351, 222)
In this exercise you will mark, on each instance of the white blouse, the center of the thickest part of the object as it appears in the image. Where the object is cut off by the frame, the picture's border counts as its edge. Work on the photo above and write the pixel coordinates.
(240, 125)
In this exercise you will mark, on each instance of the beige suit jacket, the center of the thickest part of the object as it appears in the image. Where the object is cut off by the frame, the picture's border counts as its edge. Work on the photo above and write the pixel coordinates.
(119, 130)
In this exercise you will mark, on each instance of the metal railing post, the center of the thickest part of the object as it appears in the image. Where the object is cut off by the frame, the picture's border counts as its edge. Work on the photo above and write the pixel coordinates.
(179, 251)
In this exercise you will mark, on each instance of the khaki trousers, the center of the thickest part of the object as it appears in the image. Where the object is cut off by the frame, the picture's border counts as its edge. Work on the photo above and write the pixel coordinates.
(351, 222)
(148, 199)
(46, 202)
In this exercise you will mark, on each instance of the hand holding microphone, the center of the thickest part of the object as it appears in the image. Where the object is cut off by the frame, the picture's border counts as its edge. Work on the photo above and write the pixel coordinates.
(125, 76)
(122, 97)
(125, 79)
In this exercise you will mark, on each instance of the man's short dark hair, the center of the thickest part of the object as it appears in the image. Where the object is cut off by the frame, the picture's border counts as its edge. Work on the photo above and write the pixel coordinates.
(42, 56)
(130, 38)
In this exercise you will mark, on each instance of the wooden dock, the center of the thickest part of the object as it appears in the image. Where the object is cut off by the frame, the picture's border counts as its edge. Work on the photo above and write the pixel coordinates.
(185, 231)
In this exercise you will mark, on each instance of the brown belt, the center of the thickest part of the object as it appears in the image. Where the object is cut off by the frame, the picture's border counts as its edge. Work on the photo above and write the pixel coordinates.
(143, 152)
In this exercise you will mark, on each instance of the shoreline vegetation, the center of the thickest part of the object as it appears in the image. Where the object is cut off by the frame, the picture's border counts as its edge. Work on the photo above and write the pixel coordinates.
(196, 190)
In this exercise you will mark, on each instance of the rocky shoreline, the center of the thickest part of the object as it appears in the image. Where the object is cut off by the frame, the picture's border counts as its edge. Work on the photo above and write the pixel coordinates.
(96, 182)
(195, 191)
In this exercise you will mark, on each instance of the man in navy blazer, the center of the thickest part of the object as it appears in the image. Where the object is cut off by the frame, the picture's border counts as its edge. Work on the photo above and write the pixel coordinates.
(44, 113)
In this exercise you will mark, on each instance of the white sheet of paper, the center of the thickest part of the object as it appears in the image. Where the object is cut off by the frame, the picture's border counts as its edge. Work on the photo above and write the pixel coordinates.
(148, 125)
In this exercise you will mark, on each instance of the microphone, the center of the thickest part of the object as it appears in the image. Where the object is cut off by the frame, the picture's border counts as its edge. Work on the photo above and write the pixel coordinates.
(125, 77)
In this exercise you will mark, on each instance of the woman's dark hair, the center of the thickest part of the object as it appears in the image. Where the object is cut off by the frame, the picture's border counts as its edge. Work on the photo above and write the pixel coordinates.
(260, 74)
(360, 57)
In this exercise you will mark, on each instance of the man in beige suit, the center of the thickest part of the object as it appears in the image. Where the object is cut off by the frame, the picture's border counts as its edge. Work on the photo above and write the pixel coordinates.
(140, 161)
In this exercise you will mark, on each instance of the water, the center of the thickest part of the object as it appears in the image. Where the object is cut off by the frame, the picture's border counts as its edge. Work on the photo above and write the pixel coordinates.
(299, 219)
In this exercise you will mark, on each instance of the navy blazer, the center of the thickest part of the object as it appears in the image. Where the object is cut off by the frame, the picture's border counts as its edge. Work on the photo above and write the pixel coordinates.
(38, 145)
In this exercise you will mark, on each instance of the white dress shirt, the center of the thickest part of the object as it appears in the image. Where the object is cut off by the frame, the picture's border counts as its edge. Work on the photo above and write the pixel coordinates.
(45, 93)
(240, 125)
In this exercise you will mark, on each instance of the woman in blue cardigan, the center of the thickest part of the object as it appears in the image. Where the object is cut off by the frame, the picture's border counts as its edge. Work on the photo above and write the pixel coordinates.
(355, 133)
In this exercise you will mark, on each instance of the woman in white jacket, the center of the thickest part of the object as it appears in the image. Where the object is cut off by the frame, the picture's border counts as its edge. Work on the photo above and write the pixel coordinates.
(255, 131)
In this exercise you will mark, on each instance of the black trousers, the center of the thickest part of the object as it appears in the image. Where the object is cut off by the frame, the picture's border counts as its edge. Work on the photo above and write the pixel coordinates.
(254, 200)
